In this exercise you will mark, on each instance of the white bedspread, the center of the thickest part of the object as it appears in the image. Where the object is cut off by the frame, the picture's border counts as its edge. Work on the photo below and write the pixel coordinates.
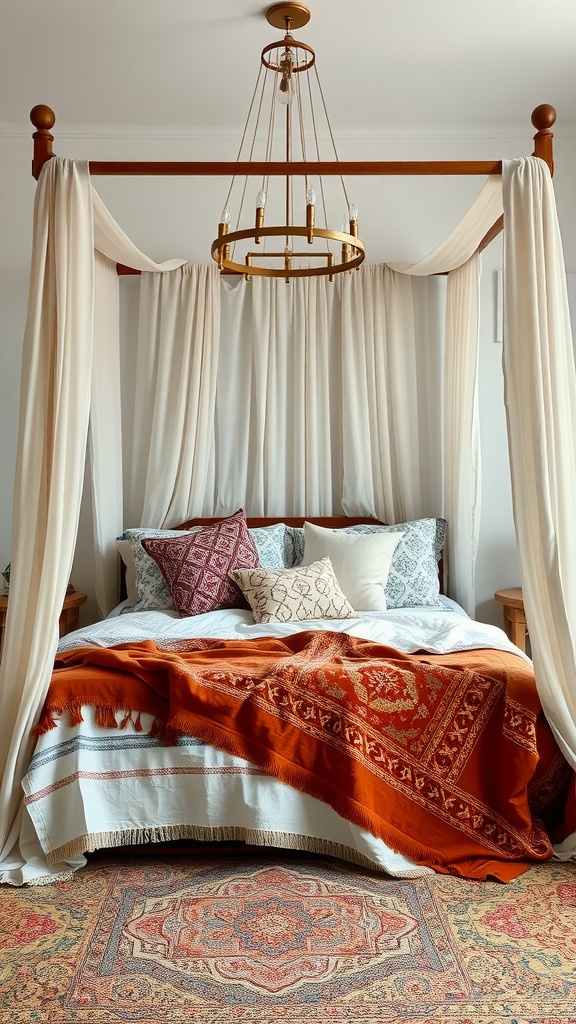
(438, 630)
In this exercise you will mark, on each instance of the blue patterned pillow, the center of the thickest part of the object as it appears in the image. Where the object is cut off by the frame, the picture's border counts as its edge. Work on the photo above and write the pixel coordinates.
(270, 544)
(151, 587)
(413, 578)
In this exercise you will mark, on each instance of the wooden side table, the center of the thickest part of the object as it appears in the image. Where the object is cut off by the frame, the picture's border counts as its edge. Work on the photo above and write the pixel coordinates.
(68, 616)
(514, 617)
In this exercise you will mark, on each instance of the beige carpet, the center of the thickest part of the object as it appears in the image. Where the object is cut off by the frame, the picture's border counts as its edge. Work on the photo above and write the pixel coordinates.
(276, 938)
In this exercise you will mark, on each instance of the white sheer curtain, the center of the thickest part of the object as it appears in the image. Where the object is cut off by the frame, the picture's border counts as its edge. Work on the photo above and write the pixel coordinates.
(458, 257)
(540, 395)
(317, 397)
(63, 389)
(105, 428)
(381, 354)
(275, 399)
(55, 405)
(177, 362)
(111, 246)
(462, 431)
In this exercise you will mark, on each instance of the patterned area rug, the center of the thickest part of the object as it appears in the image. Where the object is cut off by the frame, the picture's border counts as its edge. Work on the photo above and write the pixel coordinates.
(275, 938)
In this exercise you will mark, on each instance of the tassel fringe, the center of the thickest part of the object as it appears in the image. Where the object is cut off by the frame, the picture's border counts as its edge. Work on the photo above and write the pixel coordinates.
(105, 718)
(226, 833)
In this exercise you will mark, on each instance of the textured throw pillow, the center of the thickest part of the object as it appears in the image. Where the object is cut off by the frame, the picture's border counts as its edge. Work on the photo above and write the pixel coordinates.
(294, 595)
(361, 562)
(270, 543)
(413, 577)
(149, 586)
(196, 566)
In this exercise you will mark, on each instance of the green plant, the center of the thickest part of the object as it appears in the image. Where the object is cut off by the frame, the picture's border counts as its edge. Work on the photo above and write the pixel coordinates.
(6, 574)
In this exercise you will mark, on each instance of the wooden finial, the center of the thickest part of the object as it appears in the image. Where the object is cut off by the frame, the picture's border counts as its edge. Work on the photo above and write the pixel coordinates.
(43, 118)
(543, 117)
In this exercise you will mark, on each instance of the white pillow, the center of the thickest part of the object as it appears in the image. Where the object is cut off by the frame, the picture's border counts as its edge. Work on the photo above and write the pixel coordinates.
(361, 562)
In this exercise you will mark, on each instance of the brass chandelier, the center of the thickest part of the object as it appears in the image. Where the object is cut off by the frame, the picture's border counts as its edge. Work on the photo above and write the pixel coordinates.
(288, 100)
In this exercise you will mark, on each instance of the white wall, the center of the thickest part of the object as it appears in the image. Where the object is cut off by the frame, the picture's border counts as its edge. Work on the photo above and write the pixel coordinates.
(399, 219)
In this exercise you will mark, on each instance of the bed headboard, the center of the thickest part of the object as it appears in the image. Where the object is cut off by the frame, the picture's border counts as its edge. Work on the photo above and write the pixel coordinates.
(329, 522)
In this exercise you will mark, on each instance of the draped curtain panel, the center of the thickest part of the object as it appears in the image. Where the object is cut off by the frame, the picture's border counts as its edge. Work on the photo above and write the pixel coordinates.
(380, 359)
(54, 413)
(540, 397)
(314, 401)
(457, 256)
(72, 302)
(275, 399)
(318, 398)
(462, 431)
(105, 453)
(176, 365)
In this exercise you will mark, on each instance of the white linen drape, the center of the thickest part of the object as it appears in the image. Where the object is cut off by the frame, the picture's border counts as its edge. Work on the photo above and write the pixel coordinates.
(317, 398)
(275, 399)
(63, 388)
(462, 431)
(54, 413)
(177, 361)
(540, 396)
(380, 355)
(111, 246)
(105, 428)
(458, 256)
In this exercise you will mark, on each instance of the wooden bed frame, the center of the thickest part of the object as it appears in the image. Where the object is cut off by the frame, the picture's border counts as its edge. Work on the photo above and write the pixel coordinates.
(543, 118)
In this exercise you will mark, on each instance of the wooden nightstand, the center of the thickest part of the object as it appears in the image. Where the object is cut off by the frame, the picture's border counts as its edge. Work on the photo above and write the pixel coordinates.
(68, 616)
(514, 617)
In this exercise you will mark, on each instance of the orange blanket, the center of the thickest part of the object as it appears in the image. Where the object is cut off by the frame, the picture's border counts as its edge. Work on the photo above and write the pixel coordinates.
(447, 758)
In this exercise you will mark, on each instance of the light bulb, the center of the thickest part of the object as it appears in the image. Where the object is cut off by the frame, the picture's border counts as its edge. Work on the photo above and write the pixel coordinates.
(284, 94)
(261, 199)
(310, 213)
(352, 212)
(225, 216)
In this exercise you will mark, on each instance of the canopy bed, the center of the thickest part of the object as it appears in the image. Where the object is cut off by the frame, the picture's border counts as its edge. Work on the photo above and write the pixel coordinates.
(70, 376)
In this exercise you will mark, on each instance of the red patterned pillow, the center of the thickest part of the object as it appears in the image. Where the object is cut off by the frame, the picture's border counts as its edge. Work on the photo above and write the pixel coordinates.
(196, 566)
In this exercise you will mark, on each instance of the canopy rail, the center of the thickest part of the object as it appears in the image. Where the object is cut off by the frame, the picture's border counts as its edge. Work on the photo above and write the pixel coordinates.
(543, 117)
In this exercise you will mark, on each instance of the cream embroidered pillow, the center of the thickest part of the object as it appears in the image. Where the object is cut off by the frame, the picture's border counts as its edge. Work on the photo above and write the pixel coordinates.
(361, 562)
(293, 595)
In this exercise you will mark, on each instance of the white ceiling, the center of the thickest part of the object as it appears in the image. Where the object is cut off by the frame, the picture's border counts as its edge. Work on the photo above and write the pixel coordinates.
(387, 66)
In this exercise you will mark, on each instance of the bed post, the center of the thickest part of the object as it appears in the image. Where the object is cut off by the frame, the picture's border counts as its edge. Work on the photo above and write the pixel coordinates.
(43, 119)
(543, 117)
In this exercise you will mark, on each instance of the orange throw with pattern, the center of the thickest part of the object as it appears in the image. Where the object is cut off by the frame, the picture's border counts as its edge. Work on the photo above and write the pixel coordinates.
(448, 759)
